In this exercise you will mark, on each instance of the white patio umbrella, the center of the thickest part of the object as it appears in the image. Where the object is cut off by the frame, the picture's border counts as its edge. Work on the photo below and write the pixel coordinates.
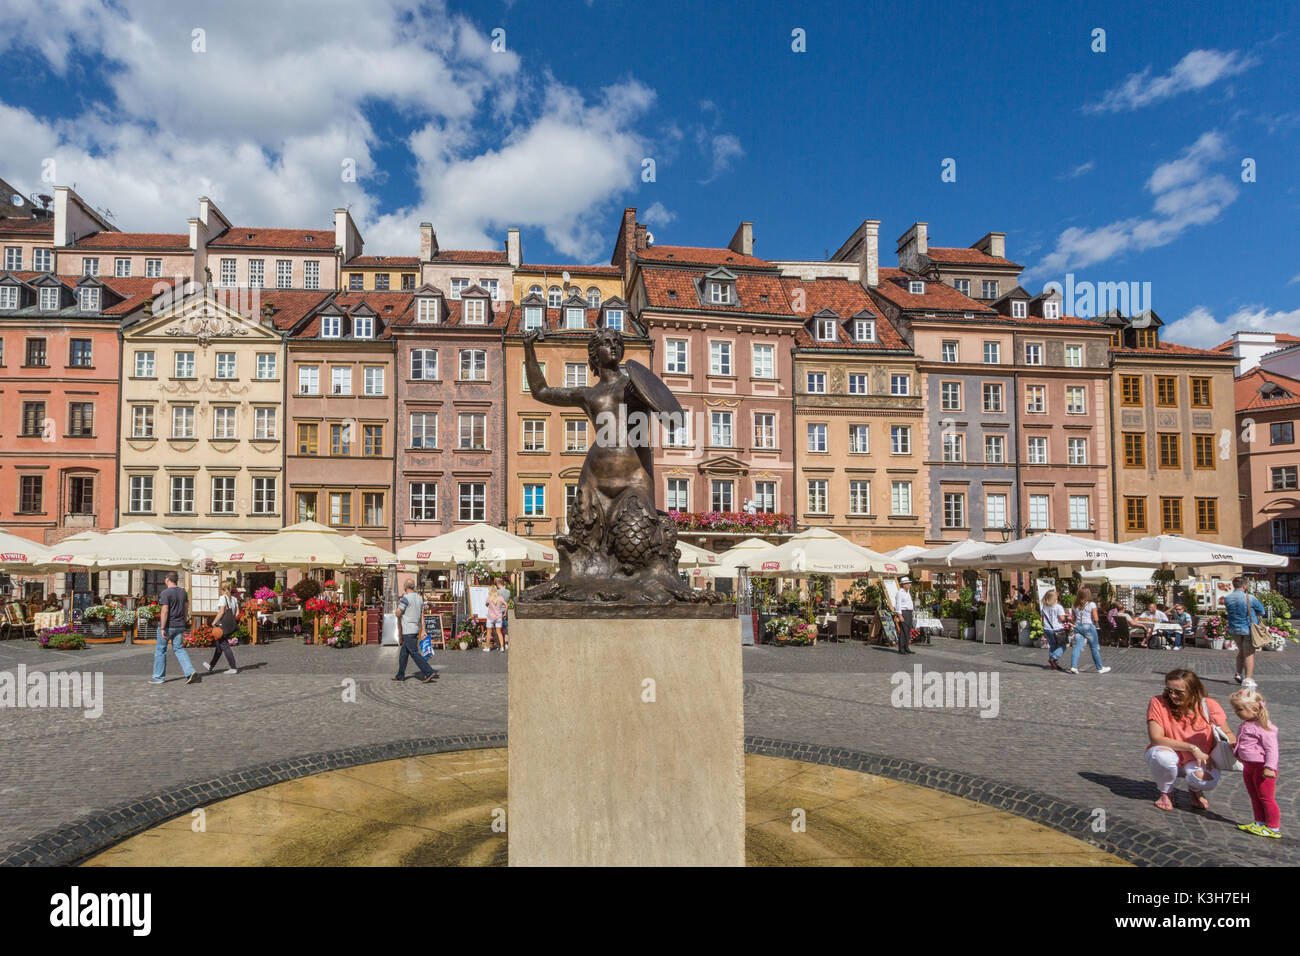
(1051, 550)
(695, 557)
(216, 541)
(907, 552)
(306, 544)
(1175, 549)
(18, 555)
(501, 549)
(135, 546)
(1121, 577)
(744, 552)
(822, 551)
(945, 555)
(373, 556)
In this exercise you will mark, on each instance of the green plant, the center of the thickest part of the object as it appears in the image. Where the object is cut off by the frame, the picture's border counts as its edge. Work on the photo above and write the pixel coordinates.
(967, 606)
(1143, 598)
(1279, 610)
(306, 589)
(279, 588)
(97, 612)
(64, 638)
(866, 594)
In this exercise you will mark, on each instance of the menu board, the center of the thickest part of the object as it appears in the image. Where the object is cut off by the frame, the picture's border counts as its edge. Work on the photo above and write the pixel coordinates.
(888, 625)
(204, 591)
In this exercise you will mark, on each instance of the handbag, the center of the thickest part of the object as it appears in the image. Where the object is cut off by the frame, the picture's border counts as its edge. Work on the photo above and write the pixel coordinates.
(226, 621)
(1258, 636)
(1223, 757)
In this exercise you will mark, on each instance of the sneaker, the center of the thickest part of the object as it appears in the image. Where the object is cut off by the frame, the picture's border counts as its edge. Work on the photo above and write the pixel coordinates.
(157, 681)
(1074, 670)
(1237, 678)
(487, 650)
(501, 650)
(233, 670)
(192, 678)
(207, 666)
(1104, 670)
(1249, 684)
(1267, 831)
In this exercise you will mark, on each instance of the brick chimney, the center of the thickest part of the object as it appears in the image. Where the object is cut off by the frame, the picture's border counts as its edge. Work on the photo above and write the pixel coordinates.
(912, 245)
(743, 241)
(514, 248)
(428, 242)
(993, 244)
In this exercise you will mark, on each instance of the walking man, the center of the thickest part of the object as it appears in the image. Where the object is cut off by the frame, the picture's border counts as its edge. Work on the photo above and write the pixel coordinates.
(905, 616)
(1243, 611)
(410, 618)
(173, 609)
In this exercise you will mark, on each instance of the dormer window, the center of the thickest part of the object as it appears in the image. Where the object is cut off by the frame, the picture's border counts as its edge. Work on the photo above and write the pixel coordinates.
(864, 330)
(363, 327)
(458, 286)
(49, 298)
(719, 292)
(575, 318)
(8, 296)
(331, 326)
(1019, 309)
(614, 319)
(88, 299)
(1146, 338)
(534, 290)
(916, 286)
(1051, 310)
(426, 311)
(554, 296)
(532, 317)
(826, 330)
(475, 312)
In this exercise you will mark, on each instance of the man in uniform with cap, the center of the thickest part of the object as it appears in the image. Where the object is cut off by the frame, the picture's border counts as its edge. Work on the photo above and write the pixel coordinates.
(904, 609)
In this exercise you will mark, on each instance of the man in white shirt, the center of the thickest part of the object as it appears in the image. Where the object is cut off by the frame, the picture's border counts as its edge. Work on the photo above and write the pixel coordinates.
(903, 605)
(410, 619)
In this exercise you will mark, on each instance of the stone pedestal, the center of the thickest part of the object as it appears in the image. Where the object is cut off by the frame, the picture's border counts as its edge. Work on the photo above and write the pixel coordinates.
(626, 742)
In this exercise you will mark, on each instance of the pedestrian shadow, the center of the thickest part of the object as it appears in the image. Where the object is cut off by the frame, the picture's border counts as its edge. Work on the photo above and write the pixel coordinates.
(1145, 792)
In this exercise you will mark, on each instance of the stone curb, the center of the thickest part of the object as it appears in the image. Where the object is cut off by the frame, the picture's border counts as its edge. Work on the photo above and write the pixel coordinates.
(81, 839)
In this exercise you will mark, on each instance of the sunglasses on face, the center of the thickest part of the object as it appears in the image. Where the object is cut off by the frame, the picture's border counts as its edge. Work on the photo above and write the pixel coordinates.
(1174, 692)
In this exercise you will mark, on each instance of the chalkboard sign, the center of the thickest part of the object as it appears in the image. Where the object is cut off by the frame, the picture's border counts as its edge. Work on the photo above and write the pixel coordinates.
(433, 626)
(889, 626)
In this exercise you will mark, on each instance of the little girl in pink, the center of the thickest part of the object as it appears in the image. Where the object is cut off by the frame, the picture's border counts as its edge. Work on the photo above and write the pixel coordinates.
(1257, 751)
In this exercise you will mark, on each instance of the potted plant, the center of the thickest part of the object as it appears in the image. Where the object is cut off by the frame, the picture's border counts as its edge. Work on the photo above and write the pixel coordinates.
(122, 623)
(63, 638)
(1278, 623)
(1216, 630)
(1029, 625)
(96, 618)
(968, 611)
(462, 640)
(201, 636)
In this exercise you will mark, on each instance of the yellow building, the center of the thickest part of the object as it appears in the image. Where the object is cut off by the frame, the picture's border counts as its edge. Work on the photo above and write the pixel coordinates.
(380, 273)
(556, 283)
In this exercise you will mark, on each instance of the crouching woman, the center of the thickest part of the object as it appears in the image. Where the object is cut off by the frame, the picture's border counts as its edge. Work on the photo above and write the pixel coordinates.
(1180, 726)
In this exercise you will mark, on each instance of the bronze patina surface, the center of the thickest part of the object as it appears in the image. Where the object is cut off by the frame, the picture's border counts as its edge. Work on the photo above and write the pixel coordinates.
(620, 550)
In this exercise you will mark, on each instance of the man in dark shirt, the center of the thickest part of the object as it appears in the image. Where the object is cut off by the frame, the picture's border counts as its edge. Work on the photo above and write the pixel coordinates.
(173, 609)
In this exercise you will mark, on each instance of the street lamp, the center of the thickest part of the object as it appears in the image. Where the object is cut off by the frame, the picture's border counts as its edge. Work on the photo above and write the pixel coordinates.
(1007, 532)
(476, 545)
(528, 527)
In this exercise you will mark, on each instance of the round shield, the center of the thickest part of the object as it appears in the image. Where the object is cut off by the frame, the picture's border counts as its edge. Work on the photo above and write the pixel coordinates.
(649, 388)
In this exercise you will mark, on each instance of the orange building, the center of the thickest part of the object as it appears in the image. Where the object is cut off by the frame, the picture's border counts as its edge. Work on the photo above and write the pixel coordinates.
(1268, 471)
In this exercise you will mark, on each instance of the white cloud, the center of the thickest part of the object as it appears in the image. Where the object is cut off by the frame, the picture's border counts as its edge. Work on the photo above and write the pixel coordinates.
(1201, 329)
(659, 215)
(264, 119)
(1294, 280)
(1186, 194)
(1197, 70)
(725, 147)
(1081, 170)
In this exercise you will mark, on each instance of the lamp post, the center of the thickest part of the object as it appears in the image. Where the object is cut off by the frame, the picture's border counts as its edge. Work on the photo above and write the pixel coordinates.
(528, 527)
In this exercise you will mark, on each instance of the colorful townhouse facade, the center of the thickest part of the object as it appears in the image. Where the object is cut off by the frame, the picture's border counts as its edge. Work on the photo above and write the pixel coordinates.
(1173, 419)
(340, 449)
(723, 333)
(1268, 471)
(451, 438)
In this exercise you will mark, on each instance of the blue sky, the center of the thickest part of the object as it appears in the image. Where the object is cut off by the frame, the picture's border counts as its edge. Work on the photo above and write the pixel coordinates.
(1123, 165)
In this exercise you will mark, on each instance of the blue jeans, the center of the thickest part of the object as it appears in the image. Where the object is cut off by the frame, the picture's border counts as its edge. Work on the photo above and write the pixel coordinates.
(411, 649)
(1055, 643)
(1085, 632)
(160, 653)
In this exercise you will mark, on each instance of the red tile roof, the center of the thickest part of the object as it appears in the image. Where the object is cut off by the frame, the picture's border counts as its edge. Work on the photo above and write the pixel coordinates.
(675, 289)
(938, 296)
(473, 256)
(392, 262)
(963, 256)
(26, 226)
(698, 255)
(452, 315)
(1172, 348)
(134, 240)
(255, 237)
(1247, 391)
(288, 306)
(387, 306)
(846, 298)
(581, 270)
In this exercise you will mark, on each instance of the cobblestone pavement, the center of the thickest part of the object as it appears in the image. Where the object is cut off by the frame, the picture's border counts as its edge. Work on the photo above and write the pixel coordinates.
(1077, 738)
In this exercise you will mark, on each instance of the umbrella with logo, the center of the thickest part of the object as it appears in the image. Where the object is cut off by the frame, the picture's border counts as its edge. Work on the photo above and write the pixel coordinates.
(499, 549)
(19, 555)
(139, 545)
(695, 557)
(307, 545)
(822, 551)
(1049, 549)
(1176, 550)
(946, 555)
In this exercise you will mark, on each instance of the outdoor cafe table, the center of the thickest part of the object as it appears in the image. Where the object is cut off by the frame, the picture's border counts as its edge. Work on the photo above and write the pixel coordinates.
(44, 619)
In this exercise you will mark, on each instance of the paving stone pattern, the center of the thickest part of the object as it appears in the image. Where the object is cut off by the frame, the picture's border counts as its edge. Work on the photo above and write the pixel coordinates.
(1060, 747)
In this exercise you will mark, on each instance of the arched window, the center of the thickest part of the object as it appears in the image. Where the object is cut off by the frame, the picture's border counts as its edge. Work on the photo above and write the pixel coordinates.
(534, 290)
(593, 298)
(554, 296)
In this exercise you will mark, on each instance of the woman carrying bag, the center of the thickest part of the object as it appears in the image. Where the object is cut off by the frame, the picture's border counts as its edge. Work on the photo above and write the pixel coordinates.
(223, 628)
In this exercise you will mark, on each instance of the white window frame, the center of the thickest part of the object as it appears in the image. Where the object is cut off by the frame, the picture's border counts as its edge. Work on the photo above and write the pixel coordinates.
(815, 383)
(425, 365)
(766, 366)
(677, 356)
(1036, 450)
(900, 498)
(720, 358)
(187, 366)
(817, 438)
(222, 494)
(477, 359)
(372, 380)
